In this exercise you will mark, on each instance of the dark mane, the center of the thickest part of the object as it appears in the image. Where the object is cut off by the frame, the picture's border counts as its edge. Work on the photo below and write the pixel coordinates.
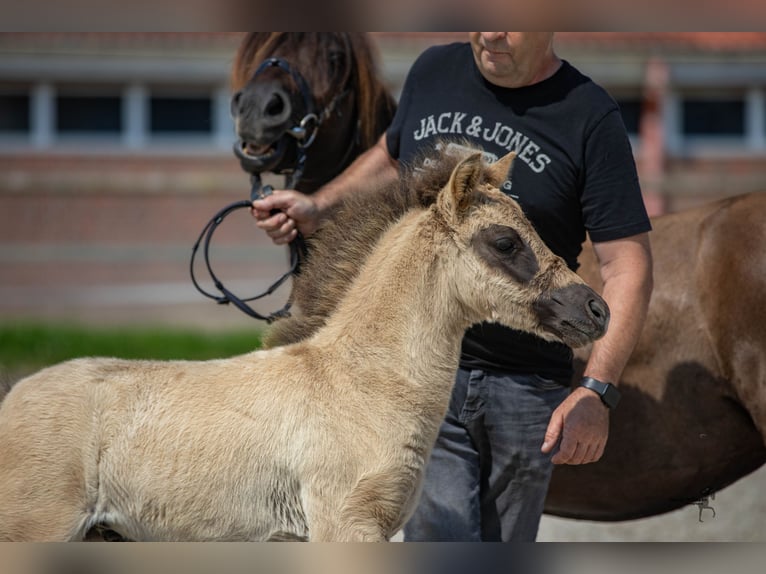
(316, 54)
(344, 241)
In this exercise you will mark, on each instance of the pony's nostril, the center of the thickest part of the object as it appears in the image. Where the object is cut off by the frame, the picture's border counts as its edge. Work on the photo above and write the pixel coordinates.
(275, 106)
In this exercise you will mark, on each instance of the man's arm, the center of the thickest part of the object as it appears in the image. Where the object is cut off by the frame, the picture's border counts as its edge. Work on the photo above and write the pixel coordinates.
(626, 271)
(582, 420)
(300, 212)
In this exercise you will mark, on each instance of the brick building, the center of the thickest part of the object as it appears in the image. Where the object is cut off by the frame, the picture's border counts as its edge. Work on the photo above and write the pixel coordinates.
(115, 148)
(149, 111)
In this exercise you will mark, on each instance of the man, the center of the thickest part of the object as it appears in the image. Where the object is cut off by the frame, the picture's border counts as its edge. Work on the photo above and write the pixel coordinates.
(511, 414)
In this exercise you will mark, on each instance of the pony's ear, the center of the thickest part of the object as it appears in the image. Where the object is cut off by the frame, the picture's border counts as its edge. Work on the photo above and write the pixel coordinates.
(456, 197)
(499, 171)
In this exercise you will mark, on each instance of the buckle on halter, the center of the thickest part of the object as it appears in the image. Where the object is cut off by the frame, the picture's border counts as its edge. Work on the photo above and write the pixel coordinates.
(300, 131)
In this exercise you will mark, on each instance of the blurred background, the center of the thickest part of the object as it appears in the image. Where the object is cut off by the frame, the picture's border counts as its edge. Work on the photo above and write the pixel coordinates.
(115, 150)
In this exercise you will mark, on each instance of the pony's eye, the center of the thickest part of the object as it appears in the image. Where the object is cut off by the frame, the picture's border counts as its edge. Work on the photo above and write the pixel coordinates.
(505, 244)
(337, 62)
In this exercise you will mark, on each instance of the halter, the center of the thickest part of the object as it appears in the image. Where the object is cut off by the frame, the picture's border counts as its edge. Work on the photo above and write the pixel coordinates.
(304, 133)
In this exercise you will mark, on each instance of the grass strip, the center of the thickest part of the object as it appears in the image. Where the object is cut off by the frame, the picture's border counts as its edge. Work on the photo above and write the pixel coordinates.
(25, 346)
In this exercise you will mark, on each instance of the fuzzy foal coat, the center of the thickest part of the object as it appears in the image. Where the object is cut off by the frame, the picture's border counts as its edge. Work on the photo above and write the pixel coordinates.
(325, 439)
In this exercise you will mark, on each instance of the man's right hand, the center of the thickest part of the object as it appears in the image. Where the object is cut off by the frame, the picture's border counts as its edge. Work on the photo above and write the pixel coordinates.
(295, 212)
(300, 212)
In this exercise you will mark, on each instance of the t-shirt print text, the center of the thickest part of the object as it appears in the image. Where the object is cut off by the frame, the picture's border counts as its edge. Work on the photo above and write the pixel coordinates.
(499, 134)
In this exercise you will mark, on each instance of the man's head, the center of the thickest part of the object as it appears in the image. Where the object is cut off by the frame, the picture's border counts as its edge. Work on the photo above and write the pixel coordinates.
(514, 59)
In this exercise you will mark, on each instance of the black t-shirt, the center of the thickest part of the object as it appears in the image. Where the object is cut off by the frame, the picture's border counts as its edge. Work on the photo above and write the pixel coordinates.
(574, 171)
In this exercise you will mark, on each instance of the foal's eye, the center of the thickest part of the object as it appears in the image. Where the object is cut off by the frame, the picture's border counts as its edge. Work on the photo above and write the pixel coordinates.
(505, 244)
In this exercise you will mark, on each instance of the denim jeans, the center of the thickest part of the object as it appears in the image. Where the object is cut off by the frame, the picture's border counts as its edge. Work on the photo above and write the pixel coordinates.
(487, 479)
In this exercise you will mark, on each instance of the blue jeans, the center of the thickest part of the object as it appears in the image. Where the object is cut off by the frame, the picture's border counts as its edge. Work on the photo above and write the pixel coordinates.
(487, 478)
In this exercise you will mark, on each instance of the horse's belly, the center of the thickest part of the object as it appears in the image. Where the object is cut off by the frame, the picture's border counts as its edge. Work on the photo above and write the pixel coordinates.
(660, 457)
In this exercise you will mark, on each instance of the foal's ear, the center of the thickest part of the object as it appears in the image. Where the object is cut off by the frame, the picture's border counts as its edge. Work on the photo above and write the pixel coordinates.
(499, 171)
(456, 197)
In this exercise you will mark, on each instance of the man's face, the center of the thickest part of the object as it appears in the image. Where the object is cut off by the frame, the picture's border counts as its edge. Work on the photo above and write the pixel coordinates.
(511, 58)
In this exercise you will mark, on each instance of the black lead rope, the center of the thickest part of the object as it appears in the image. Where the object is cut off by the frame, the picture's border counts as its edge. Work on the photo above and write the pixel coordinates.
(297, 253)
(303, 134)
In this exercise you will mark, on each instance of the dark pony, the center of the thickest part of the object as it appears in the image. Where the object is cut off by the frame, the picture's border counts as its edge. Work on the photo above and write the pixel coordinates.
(304, 105)
(341, 75)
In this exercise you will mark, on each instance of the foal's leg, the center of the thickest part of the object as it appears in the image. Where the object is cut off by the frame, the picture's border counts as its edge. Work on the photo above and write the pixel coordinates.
(350, 520)
(376, 508)
(37, 502)
(43, 448)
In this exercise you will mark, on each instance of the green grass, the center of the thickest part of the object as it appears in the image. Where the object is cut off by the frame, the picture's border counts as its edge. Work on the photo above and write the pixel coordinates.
(25, 347)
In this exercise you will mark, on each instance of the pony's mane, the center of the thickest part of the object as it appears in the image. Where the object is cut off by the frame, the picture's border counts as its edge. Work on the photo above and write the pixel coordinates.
(345, 240)
(312, 54)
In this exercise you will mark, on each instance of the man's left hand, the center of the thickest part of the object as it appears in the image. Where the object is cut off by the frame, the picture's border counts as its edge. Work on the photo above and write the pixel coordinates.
(582, 424)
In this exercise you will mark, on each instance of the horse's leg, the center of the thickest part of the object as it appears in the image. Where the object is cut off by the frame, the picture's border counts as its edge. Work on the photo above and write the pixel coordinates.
(43, 447)
(37, 502)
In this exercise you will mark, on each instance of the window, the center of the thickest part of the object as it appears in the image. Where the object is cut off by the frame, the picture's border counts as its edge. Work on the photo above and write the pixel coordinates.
(174, 115)
(113, 116)
(88, 114)
(14, 113)
(713, 117)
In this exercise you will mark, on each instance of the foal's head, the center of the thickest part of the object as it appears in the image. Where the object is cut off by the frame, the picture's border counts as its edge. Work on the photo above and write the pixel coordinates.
(503, 271)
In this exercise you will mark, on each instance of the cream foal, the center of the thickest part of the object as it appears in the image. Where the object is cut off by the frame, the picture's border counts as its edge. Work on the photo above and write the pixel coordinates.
(324, 439)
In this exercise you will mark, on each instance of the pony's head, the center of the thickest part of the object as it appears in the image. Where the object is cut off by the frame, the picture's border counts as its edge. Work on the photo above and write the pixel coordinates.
(503, 272)
(296, 90)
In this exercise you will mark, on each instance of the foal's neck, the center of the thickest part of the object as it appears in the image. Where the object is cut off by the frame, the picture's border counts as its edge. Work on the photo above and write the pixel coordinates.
(401, 312)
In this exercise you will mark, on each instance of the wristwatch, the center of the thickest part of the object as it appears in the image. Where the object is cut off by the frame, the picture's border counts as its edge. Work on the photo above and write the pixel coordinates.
(609, 394)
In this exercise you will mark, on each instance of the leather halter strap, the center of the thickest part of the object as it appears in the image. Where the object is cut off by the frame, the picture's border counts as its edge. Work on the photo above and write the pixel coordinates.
(303, 132)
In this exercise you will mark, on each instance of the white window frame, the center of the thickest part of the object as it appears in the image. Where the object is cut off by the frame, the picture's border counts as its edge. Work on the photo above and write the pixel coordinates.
(135, 135)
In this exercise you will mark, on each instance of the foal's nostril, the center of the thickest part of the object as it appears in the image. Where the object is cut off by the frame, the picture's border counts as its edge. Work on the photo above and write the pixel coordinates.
(598, 310)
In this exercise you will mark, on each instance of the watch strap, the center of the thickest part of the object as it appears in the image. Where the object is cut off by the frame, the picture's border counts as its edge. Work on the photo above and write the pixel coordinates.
(608, 393)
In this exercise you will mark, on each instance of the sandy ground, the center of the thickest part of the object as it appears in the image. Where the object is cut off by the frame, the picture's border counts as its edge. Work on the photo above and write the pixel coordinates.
(740, 516)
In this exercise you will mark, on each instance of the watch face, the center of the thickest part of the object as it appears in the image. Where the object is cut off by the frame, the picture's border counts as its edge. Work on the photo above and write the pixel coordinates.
(610, 396)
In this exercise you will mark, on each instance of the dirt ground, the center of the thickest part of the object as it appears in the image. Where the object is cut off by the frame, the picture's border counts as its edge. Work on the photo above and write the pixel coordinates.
(740, 516)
